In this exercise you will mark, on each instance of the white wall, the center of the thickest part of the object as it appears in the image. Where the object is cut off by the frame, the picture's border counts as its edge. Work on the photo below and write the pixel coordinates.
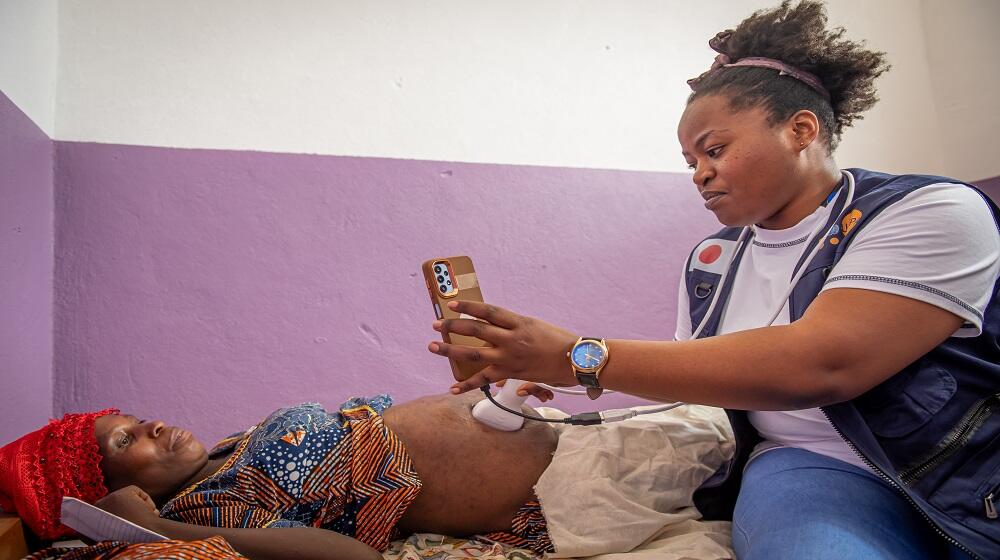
(560, 82)
(962, 51)
(28, 46)
(902, 133)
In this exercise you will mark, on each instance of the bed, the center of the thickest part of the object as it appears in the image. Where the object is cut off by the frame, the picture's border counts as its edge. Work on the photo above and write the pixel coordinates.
(691, 540)
(636, 477)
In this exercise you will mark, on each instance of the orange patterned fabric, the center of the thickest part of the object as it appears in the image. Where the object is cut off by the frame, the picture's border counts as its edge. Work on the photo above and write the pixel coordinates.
(212, 548)
(527, 530)
(304, 466)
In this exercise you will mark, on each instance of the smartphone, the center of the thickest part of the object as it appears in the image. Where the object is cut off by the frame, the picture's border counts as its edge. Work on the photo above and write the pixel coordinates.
(454, 279)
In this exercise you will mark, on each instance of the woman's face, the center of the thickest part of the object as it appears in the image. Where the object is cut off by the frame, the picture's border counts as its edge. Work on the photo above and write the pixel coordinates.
(157, 458)
(744, 167)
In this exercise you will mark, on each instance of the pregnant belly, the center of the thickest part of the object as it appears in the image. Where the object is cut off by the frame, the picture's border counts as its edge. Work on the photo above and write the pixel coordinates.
(474, 478)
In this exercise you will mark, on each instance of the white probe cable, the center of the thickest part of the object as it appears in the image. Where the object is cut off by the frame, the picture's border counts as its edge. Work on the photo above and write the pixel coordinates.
(566, 391)
(619, 414)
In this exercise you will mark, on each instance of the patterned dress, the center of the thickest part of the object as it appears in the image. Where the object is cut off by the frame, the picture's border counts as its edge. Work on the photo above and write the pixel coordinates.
(306, 467)
(303, 466)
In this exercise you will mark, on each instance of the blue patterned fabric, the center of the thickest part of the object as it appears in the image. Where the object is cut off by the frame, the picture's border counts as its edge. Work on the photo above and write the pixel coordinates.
(304, 466)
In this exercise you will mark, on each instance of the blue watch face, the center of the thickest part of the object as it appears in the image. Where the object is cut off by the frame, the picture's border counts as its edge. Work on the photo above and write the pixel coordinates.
(588, 355)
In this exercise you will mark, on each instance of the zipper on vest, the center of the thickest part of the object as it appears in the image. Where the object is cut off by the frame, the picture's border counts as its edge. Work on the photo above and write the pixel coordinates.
(888, 479)
(959, 436)
(991, 507)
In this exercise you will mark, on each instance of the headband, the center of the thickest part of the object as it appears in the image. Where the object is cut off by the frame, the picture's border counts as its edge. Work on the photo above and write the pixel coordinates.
(722, 60)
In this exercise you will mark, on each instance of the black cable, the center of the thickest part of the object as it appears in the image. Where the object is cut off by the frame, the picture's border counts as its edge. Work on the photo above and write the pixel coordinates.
(585, 419)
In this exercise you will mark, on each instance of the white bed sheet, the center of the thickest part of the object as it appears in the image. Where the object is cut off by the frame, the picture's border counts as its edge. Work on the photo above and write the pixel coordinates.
(618, 492)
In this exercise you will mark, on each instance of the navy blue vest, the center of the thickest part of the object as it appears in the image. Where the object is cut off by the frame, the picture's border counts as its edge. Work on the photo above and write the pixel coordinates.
(932, 431)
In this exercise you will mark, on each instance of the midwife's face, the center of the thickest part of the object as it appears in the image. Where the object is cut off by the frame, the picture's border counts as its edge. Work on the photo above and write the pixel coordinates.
(742, 163)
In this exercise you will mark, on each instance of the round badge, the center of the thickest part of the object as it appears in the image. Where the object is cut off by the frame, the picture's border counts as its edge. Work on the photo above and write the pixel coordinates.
(710, 254)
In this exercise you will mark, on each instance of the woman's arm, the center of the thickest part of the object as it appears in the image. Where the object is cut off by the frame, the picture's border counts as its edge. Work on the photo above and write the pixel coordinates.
(849, 340)
(901, 289)
(277, 543)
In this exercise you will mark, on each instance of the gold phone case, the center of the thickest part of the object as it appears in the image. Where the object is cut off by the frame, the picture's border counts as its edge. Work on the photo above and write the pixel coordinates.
(464, 287)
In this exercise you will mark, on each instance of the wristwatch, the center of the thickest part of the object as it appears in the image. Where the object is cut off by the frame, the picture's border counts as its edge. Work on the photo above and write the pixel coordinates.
(587, 357)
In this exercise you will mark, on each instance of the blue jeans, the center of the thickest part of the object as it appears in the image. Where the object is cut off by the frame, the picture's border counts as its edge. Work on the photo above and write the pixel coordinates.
(797, 504)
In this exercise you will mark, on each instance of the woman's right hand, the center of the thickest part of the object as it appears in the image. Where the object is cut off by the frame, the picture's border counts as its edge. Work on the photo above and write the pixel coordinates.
(519, 347)
(130, 503)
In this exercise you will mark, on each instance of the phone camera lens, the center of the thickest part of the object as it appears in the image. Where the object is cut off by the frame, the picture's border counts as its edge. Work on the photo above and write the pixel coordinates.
(449, 282)
(446, 273)
(440, 279)
(444, 289)
(437, 269)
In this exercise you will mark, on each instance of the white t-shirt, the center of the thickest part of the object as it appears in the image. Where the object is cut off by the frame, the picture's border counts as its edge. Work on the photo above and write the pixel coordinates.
(939, 245)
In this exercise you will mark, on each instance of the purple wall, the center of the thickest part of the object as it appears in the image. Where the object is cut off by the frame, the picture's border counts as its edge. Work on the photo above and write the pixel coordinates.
(208, 287)
(25, 273)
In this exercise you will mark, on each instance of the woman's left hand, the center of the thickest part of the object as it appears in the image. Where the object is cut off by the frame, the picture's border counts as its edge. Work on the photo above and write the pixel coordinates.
(522, 347)
(130, 503)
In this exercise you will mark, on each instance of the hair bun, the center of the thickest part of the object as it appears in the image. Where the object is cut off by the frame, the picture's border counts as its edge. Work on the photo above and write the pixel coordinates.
(718, 43)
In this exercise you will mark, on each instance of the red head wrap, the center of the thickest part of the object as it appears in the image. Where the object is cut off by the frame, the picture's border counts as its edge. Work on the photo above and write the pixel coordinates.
(37, 470)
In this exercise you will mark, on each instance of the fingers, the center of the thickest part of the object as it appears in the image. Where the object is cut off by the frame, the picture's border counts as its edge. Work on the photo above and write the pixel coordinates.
(486, 376)
(495, 375)
(537, 391)
(465, 353)
(490, 313)
(529, 390)
(141, 495)
(471, 327)
(145, 497)
(492, 375)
